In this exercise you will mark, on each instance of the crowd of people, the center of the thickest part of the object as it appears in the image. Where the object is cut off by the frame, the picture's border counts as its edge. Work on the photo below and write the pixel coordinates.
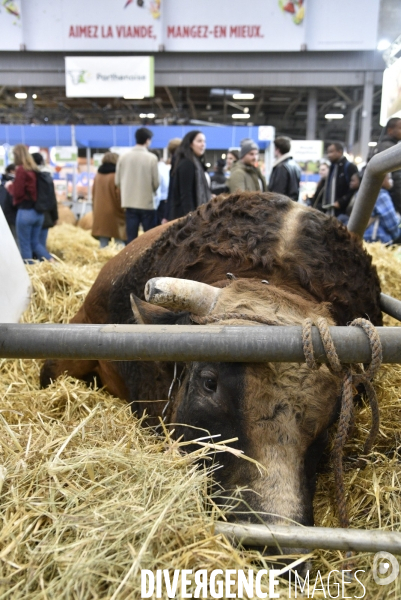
(339, 183)
(140, 189)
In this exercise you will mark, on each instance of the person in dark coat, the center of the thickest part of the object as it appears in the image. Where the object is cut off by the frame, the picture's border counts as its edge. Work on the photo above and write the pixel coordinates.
(6, 199)
(190, 186)
(338, 193)
(286, 174)
(317, 199)
(392, 136)
(218, 181)
(51, 215)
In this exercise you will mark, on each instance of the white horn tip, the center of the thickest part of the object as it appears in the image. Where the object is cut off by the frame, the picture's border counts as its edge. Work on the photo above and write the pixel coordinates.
(181, 294)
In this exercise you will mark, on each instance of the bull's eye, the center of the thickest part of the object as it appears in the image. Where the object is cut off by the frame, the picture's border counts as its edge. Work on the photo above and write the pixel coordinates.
(210, 385)
(209, 381)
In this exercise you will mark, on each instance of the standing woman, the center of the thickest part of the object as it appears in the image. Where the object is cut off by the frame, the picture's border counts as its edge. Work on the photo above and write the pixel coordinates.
(108, 216)
(190, 186)
(318, 196)
(28, 221)
(232, 158)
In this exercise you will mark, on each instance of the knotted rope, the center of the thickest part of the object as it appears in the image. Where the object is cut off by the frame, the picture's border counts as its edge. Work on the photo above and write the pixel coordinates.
(230, 316)
(352, 375)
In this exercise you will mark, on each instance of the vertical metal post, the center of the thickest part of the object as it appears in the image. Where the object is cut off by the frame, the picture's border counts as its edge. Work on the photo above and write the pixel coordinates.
(74, 168)
(311, 118)
(366, 116)
(88, 168)
(352, 124)
(29, 106)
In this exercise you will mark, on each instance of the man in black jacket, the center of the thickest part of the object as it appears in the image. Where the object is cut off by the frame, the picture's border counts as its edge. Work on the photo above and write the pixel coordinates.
(392, 136)
(337, 192)
(286, 174)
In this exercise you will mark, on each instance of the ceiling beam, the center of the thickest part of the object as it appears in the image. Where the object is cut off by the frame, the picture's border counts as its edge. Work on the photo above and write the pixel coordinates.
(258, 105)
(191, 105)
(235, 105)
(171, 98)
(292, 106)
(159, 104)
(327, 105)
(343, 95)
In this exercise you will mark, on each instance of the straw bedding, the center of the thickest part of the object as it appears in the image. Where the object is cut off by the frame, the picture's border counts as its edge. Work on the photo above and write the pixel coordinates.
(89, 496)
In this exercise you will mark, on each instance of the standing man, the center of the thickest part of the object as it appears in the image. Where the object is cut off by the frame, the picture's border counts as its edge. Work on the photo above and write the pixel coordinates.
(338, 193)
(245, 177)
(286, 174)
(137, 177)
(392, 135)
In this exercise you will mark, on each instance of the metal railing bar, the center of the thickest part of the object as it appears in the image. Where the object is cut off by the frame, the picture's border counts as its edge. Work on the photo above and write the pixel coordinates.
(328, 538)
(188, 342)
(382, 163)
(390, 306)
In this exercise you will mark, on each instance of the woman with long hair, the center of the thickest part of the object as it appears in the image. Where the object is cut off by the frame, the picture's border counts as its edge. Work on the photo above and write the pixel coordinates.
(108, 216)
(190, 186)
(232, 158)
(28, 221)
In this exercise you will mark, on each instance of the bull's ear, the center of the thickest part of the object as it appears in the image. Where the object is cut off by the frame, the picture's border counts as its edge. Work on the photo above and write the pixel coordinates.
(145, 313)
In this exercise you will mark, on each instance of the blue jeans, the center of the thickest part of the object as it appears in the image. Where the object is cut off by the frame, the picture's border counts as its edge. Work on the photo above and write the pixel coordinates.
(136, 216)
(43, 241)
(104, 241)
(29, 225)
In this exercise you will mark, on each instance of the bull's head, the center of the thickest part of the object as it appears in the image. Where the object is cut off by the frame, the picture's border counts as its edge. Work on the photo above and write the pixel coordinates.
(279, 412)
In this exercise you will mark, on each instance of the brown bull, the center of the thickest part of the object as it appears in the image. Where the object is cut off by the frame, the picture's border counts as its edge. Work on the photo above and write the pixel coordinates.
(280, 413)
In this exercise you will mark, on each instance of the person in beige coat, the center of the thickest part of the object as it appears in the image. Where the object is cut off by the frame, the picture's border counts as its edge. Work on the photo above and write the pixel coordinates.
(137, 176)
(245, 177)
(108, 216)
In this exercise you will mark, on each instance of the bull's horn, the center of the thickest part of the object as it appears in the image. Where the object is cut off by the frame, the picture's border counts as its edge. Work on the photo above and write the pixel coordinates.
(182, 294)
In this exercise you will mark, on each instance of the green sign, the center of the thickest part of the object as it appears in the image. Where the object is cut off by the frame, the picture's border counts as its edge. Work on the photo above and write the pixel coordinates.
(64, 154)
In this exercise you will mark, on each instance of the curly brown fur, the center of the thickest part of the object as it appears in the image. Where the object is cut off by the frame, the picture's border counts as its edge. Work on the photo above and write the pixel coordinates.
(264, 236)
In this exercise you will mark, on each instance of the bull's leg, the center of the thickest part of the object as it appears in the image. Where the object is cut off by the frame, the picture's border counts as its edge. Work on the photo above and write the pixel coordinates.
(86, 370)
(81, 369)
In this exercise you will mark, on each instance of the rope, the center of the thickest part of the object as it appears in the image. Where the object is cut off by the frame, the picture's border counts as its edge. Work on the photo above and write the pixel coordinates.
(350, 379)
(225, 316)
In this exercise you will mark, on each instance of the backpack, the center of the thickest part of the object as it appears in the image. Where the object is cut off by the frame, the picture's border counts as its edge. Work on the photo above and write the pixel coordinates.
(45, 195)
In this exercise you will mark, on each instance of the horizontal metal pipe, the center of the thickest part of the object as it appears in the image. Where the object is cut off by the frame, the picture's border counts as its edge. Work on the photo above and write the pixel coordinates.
(391, 306)
(327, 538)
(382, 163)
(188, 342)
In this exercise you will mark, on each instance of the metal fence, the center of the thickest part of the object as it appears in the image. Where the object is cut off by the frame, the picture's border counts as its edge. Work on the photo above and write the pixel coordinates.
(233, 343)
(188, 342)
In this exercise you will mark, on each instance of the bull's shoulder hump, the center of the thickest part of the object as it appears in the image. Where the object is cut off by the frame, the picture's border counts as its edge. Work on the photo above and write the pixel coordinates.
(290, 226)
